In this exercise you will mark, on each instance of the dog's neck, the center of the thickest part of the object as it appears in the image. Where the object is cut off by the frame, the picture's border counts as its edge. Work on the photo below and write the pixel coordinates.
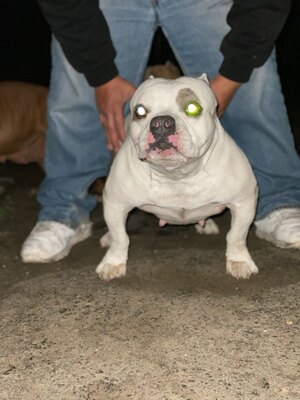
(179, 172)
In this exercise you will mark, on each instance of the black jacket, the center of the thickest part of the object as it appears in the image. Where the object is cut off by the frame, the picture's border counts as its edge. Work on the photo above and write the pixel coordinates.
(81, 29)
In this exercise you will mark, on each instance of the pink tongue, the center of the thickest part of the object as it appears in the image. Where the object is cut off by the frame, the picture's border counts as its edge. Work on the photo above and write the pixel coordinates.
(162, 223)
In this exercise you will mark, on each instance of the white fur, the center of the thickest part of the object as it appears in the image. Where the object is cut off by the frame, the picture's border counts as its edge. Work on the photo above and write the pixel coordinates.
(205, 174)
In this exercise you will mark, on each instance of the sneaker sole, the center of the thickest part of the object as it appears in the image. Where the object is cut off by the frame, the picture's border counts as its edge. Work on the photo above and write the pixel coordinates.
(82, 234)
(283, 245)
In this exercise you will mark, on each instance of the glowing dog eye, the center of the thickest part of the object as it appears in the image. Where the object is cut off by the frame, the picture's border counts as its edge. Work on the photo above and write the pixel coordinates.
(192, 109)
(140, 111)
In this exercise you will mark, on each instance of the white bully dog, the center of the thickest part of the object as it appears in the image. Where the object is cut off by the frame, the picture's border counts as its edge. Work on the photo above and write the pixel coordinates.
(179, 164)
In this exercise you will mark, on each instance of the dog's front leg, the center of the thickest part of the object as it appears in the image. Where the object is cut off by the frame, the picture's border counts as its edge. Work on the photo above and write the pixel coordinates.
(113, 264)
(239, 263)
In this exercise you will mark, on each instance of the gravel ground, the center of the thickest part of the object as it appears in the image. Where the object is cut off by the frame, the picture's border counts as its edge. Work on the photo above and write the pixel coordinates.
(176, 327)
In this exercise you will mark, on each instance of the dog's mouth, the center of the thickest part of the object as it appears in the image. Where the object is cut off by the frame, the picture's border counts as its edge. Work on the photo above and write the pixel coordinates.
(162, 140)
(161, 147)
(164, 146)
(166, 141)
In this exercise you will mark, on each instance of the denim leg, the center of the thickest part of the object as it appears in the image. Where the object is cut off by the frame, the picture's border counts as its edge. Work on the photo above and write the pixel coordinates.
(76, 152)
(132, 24)
(257, 117)
(263, 132)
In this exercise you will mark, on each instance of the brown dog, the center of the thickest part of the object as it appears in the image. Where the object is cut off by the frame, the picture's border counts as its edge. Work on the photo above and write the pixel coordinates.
(167, 71)
(23, 119)
(23, 122)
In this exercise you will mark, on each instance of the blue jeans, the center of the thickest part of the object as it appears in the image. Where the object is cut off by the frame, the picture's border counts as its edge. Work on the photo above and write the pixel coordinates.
(76, 153)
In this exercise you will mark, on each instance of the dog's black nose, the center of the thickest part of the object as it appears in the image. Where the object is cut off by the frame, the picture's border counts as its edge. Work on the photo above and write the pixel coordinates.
(162, 126)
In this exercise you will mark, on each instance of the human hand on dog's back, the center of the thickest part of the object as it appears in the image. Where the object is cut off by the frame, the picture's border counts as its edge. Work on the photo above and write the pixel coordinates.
(111, 98)
(224, 90)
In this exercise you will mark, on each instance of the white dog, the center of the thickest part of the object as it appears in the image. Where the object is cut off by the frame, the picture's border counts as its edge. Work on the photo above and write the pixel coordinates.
(179, 164)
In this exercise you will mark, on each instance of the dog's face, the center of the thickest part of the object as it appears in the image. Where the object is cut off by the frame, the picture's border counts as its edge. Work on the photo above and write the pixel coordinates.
(172, 121)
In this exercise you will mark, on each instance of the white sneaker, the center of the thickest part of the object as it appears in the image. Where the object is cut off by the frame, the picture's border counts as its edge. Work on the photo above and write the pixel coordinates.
(281, 227)
(51, 241)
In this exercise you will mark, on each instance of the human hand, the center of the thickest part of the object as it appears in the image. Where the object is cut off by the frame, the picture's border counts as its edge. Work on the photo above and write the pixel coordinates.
(224, 90)
(111, 98)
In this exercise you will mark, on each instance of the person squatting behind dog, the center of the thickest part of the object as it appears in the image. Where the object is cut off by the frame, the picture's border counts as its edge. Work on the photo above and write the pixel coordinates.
(105, 51)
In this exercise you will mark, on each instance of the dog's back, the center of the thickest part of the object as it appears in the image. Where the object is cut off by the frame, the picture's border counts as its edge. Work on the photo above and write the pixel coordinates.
(23, 121)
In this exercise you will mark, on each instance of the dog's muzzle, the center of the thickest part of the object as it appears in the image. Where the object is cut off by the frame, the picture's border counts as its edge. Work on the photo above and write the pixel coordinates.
(161, 128)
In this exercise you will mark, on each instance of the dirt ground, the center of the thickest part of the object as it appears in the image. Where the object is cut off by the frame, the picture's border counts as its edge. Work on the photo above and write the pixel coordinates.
(176, 327)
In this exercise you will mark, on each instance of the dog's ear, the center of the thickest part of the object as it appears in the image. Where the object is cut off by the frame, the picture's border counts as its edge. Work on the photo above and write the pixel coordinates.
(204, 78)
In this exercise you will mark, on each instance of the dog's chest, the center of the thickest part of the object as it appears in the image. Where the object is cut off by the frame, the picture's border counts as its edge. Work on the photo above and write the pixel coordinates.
(182, 205)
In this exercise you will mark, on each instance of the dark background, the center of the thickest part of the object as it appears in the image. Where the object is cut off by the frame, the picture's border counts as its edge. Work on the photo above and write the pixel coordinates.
(25, 51)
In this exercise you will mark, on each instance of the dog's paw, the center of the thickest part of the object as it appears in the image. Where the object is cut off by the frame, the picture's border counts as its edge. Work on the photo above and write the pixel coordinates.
(110, 271)
(208, 227)
(241, 269)
(105, 240)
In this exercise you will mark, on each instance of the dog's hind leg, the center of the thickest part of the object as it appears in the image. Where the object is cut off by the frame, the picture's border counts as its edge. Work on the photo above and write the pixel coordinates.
(208, 227)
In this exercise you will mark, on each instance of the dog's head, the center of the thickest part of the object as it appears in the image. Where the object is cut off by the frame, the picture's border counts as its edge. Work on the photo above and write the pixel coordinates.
(173, 121)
